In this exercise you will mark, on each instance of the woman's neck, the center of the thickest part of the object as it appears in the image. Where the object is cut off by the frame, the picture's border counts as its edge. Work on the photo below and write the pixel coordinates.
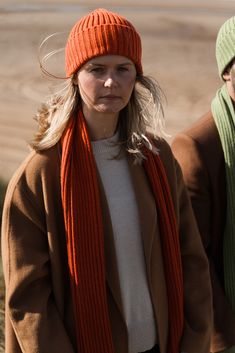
(101, 126)
(231, 90)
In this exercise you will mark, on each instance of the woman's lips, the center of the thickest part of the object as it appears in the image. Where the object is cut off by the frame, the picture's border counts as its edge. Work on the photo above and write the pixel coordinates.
(110, 96)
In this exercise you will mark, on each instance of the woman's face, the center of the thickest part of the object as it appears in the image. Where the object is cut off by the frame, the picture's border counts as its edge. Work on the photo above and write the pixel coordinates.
(229, 77)
(106, 84)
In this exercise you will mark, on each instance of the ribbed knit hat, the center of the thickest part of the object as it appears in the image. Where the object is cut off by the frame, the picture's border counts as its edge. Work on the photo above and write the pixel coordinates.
(225, 45)
(101, 32)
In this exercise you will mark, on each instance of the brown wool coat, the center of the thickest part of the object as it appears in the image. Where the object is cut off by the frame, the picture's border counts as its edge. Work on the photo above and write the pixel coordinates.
(39, 315)
(199, 152)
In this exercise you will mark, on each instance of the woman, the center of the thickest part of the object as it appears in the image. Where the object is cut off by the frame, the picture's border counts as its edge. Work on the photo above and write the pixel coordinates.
(100, 249)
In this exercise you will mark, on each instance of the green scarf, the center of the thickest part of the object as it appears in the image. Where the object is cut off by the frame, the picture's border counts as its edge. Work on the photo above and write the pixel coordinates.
(224, 117)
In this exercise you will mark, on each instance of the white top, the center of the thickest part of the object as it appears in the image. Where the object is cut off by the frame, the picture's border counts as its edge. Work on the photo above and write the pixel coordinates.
(124, 215)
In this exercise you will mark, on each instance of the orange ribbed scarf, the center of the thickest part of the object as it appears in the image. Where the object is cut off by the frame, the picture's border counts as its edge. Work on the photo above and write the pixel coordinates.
(85, 242)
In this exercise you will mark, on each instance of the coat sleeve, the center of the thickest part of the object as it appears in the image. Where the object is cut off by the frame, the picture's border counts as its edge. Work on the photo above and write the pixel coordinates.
(30, 306)
(198, 185)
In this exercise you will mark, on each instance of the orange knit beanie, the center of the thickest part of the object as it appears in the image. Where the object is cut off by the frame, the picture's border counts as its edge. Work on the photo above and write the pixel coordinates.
(102, 32)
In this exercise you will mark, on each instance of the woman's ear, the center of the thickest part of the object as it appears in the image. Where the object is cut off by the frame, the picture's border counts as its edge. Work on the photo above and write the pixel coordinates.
(75, 79)
(227, 71)
(226, 75)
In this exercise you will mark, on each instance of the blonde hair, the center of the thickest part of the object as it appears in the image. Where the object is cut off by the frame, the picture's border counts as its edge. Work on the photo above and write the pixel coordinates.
(141, 118)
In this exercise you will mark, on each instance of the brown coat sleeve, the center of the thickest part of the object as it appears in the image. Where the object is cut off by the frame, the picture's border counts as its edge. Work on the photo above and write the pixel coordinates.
(34, 324)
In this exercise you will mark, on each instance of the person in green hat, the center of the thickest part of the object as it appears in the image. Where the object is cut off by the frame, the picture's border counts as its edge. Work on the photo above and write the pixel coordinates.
(206, 153)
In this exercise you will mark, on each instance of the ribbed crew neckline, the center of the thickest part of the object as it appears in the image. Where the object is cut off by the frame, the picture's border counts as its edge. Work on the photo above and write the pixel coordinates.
(105, 145)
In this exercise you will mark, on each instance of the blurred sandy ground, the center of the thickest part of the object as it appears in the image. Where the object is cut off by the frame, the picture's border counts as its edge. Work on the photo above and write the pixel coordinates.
(178, 50)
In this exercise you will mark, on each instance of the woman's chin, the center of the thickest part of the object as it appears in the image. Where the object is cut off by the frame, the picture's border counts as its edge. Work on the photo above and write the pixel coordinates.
(106, 109)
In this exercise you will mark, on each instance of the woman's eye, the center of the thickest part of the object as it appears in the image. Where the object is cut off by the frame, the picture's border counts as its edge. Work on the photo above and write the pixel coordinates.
(122, 69)
(97, 70)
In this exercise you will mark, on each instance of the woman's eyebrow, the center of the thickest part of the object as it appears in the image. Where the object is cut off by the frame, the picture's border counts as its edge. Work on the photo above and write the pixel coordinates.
(97, 64)
(94, 64)
(125, 64)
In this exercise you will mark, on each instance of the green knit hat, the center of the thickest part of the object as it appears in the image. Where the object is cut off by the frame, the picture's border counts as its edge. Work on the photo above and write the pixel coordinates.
(225, 45)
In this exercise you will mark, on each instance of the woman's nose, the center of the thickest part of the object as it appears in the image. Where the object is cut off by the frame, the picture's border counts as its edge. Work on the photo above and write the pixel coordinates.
(110, 81)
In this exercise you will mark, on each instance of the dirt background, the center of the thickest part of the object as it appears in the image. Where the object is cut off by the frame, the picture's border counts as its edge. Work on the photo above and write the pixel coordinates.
(178, 40)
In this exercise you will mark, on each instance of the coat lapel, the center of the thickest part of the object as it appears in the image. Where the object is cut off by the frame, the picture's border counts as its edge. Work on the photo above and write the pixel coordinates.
(148, 224)
(146, 208)
(152, 249)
